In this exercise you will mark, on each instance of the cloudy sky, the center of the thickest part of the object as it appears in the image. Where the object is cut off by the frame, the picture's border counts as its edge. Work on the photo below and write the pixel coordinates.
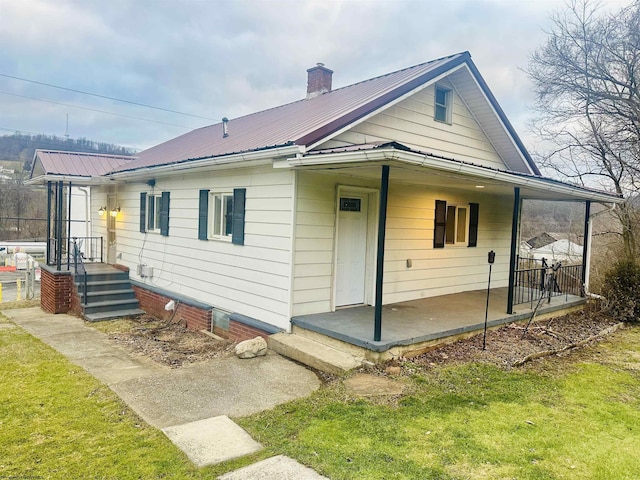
(216, 58)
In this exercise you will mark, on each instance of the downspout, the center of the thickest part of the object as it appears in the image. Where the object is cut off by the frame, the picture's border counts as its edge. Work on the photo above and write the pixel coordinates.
(515, 222)
(87, 215)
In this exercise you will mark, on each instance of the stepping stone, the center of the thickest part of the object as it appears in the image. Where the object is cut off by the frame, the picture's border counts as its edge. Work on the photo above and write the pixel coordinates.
(280, 467)
(212, 440)
(365, 385)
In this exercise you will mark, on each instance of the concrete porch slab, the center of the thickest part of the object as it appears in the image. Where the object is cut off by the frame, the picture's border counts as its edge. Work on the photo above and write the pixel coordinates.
(426, 320)
(279, 467)
(212, 440)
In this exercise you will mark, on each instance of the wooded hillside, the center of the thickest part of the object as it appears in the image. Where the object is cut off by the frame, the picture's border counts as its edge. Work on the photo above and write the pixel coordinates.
(21, 147)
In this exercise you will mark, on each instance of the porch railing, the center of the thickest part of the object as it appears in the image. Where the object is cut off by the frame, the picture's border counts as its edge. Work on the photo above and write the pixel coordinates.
(89, 248)
(535, 278)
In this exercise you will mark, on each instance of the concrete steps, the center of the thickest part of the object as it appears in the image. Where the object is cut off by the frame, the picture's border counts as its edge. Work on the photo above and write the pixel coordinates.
(313, 354)
(108, 294)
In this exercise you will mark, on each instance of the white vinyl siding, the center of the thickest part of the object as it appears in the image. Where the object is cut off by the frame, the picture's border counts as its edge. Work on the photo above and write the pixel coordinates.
(412, 123)
(251, 279)
(409, 235)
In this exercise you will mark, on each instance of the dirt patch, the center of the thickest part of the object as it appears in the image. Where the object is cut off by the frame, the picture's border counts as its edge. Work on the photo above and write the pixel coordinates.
(507, 346)
(168, 343)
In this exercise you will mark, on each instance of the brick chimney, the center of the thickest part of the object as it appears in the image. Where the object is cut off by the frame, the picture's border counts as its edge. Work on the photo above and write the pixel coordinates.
(318, 80)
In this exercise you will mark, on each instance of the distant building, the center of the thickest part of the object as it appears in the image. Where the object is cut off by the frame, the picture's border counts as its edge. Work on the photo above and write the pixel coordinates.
(553, 247)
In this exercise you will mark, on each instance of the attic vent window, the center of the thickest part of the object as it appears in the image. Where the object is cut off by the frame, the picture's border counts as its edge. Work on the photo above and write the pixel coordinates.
(442, 112)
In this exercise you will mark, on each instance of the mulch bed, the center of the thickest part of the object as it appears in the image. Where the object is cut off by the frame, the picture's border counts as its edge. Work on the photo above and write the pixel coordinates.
(171, 343)
(507, 347)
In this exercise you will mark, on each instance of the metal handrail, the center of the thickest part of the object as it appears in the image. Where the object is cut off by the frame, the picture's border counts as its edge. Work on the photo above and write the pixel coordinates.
(79, 268)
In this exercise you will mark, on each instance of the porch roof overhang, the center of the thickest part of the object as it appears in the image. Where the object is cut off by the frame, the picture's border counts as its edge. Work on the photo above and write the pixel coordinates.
(414, 167)
(76, 180)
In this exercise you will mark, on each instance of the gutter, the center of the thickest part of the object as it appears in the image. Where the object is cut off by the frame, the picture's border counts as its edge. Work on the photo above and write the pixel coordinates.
(245, 158)
(452, 166)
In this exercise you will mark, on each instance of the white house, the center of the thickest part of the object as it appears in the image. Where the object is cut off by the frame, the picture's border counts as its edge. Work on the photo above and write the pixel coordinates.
(389, 190)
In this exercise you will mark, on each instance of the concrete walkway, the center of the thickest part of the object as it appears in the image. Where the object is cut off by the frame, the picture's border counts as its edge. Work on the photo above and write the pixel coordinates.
(192, 404)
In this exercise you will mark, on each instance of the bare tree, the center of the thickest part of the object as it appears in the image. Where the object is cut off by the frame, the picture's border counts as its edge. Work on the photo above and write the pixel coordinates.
(587, 82)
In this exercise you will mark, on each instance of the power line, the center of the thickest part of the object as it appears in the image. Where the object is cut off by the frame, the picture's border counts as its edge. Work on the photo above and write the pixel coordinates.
(94, 110)
(102, 96)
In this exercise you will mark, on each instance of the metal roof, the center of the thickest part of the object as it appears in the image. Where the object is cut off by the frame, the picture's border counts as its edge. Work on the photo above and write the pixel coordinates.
(303, 122)
(53, 162)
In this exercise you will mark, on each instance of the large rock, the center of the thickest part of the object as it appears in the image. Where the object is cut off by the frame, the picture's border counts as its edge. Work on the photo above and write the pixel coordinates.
(255, 347)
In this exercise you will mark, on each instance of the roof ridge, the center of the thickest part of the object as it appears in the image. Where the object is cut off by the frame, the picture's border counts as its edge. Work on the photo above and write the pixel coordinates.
(446, 57)
(43, 150)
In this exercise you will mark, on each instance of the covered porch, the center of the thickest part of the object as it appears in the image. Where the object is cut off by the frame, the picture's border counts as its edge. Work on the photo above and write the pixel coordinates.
(415, 325)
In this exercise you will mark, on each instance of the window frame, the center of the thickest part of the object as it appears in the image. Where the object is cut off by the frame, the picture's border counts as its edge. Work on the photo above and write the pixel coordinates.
(225, 221)
(448, 92)
(153, 211)
(453, 224)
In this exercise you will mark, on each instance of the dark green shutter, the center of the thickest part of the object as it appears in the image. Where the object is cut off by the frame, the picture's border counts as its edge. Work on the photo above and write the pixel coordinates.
(473, 224)
(143, 212)
(164, 214)
(203, 214)
(440, 224)
(237, 233)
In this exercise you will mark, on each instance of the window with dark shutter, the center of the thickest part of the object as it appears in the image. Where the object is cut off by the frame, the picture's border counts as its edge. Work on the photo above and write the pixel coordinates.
(164, 214)
(237, 231)
(473, 224)
(203, 215)
(440, 224)
(143, 212)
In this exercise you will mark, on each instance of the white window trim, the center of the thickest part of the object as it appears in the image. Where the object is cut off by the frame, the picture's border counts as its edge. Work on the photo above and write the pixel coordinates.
(212, 215)
(448, 106)
(151, 197)
(465, 241)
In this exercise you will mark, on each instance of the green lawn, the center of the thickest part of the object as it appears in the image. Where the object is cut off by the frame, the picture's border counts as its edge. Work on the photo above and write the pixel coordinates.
(573, 417)
(57, 421)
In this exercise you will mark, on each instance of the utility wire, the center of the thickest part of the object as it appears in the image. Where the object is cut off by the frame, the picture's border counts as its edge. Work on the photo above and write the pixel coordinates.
(95, 110)
(103, 96)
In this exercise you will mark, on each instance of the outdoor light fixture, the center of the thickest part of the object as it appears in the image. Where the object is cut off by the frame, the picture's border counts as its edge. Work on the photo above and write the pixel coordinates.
(102, 211)
(115, 211)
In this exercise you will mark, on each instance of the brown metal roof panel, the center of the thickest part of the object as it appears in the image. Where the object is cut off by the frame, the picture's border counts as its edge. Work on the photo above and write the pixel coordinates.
(302, 122)
(79, 164)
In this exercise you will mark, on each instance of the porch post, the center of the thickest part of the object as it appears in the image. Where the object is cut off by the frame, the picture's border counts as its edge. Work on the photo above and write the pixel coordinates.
(382, 225)
(58, 226)
(48, 222)
(586, 246)
(68, 225)
(515, 221)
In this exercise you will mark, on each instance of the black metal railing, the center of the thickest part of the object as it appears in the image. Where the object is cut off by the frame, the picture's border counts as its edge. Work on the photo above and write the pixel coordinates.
(535, 278)
(79, 269)
(89, 248)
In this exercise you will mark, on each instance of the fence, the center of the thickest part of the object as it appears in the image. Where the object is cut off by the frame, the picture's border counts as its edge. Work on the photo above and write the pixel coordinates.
(535, 278)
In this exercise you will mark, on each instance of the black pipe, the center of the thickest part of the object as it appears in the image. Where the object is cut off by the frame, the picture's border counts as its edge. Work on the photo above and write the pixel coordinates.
(382, 226)
(515, 220)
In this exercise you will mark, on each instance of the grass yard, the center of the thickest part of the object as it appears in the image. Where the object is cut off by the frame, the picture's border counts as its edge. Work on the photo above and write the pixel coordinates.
(575, 417)
(570, 417)
(58, 422)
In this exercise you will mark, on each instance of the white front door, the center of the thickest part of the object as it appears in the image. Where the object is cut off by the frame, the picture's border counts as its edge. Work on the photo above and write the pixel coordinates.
(351, 250)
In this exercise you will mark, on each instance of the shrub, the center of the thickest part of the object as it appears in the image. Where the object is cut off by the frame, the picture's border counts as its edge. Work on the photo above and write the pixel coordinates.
(621, 290)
